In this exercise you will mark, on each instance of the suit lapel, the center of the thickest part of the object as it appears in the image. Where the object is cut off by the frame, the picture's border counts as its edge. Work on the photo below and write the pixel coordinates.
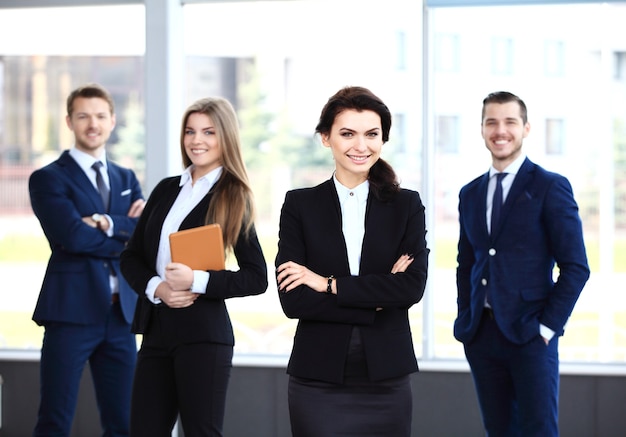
(121, 189)
(332, 222)
(198, 214)
(329, 192)
(115, 185)
(521, 181)
(165, 202)
(376, 217)
(480, 209)
(77, 176)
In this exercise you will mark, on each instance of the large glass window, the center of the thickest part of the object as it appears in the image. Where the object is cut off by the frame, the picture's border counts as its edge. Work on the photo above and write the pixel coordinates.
(282, 72)
(36, 75)
(577, 112)
(279, 72)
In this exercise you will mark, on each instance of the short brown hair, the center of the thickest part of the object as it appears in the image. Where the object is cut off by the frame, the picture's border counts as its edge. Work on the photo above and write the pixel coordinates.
(502, 97)
(88, 91)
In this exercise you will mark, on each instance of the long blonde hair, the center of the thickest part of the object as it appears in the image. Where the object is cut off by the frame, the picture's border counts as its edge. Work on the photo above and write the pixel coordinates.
(232, 205)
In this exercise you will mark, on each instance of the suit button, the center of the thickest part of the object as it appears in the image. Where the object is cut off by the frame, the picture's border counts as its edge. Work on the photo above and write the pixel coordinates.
(483, 281)
(492, 251)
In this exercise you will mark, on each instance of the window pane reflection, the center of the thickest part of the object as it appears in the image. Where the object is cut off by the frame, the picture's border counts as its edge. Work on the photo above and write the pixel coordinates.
(577, 110)
(36, 75)
(279, 73)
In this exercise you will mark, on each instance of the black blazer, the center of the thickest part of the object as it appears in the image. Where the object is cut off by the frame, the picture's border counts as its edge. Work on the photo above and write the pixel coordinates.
(207, 319)
(310, 234)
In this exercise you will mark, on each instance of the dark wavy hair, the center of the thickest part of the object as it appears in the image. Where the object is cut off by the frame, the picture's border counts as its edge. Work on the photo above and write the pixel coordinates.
(382, 178)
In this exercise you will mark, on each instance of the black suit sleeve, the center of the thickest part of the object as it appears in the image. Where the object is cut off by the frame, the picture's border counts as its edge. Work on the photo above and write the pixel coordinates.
(138, 260)
(250, 279)
(307, 237)
(310, 234)
(392, 229)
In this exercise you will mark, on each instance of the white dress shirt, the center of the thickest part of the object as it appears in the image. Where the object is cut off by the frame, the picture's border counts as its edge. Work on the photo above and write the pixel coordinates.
(85, 161)
(190, 195)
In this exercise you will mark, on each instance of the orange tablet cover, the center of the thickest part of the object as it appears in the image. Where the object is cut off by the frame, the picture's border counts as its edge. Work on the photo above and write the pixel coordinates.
(200, 248)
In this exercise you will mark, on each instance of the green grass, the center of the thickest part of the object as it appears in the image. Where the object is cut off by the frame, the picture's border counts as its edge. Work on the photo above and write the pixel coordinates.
(446, 251)
(17, 248)
(17, 330)
(22, 247)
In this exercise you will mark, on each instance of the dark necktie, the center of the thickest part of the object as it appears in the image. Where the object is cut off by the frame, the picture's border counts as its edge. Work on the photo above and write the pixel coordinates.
(102, 187)
(496, 206)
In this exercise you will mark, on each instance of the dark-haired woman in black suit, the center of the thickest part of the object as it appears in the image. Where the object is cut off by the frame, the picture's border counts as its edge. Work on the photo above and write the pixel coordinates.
(352, 260)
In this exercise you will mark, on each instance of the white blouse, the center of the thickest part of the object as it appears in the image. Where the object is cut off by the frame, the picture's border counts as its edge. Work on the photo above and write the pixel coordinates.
(353, 204)
(188, 198)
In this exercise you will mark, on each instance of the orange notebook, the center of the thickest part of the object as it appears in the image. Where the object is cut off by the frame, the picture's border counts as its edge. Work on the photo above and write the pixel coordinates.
(200, 248)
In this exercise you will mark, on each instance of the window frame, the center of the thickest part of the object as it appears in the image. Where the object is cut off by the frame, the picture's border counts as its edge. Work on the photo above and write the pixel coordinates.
(162, 14)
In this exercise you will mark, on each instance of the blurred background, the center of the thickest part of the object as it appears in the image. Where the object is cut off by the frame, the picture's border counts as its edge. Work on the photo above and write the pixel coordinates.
(432, 62)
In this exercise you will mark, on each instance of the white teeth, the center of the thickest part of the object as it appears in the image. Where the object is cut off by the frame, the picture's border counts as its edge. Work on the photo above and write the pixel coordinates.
(501, 142)
(358, 158)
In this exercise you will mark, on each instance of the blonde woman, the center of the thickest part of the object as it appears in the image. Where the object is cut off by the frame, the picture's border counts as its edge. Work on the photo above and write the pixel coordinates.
(184, 362)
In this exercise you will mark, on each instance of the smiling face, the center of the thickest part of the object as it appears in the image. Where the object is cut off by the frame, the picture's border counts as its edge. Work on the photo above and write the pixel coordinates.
(503, 130)
(201, 144)
(356, 141)
(92, 122)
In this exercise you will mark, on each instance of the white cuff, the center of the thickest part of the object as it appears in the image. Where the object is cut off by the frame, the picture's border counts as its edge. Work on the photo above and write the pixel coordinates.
(200, 281)
(153, 283)
(109, 231)
(546, 332)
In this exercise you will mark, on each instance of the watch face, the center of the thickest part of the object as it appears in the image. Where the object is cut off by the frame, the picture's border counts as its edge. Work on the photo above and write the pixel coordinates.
(96, 217)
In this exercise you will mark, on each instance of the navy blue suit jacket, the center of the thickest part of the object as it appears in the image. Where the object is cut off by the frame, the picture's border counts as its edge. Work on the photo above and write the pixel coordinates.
(76, 285)
(539, 227)
(311, 235)
(207, 319)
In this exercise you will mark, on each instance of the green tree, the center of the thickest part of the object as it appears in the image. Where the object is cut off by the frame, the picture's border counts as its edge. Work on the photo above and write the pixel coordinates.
(129, 151)
(275, 155)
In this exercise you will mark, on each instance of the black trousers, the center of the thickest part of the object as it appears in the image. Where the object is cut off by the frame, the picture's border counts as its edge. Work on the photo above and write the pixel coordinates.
(175, 378)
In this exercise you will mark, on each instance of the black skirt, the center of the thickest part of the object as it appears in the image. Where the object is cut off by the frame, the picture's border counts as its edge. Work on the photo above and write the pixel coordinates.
(358, 407)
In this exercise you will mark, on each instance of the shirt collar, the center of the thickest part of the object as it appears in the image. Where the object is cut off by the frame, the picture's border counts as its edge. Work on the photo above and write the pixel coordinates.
(512, 168)
(85, 160)
(361, 191)
(209, 178)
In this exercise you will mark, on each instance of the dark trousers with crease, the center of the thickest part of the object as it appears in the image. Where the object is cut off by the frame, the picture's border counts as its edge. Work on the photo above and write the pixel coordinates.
(110, 349)
(175, 378)
(517, 385)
